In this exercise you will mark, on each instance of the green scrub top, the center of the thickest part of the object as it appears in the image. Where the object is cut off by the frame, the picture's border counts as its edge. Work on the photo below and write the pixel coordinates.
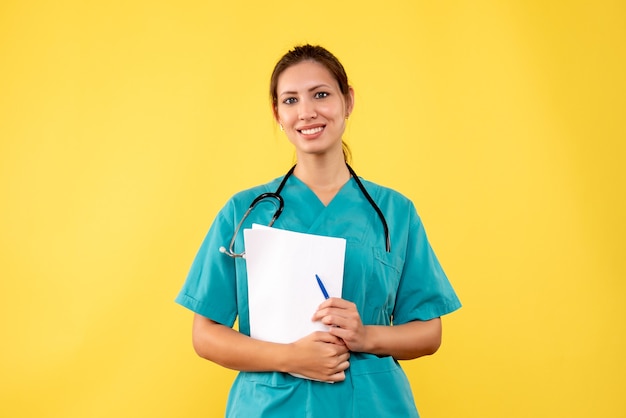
(404, 285)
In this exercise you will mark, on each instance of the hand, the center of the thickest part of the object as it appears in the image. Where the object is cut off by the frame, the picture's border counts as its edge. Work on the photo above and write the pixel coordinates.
(345, 322)
(320, 356)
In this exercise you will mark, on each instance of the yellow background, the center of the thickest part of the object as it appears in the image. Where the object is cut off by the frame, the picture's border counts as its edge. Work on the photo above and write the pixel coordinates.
(125, 125)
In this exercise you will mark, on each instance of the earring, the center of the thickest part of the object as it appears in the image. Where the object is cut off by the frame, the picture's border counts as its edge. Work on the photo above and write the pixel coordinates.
(281, 127)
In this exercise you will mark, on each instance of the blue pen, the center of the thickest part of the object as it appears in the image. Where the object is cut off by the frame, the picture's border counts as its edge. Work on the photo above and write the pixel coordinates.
(321, 285)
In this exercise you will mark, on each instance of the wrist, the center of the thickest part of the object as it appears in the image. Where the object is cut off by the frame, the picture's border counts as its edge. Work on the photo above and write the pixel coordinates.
(283, 357)
(372, 345)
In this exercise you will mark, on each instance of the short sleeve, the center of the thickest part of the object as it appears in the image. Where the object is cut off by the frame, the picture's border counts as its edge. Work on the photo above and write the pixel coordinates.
(424, 291)
(211, 288)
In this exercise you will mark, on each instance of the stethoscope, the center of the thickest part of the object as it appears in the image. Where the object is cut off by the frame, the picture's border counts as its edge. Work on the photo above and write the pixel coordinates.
(281, 205)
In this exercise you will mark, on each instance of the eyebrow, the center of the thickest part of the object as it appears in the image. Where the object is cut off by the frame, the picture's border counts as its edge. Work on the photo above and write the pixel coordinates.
(286, 93)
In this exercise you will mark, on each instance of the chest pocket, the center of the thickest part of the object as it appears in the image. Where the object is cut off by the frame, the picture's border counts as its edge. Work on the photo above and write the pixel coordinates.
(371, 280)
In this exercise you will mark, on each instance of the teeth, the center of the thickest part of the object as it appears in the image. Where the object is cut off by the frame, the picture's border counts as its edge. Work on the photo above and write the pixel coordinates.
(312, 131)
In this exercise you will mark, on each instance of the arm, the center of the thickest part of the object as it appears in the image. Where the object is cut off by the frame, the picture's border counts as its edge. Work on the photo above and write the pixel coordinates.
(403, 342)
(319, 355)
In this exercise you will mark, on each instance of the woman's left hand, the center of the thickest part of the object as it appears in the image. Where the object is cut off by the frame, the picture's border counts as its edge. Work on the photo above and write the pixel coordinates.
(403, 342)
(344, 321)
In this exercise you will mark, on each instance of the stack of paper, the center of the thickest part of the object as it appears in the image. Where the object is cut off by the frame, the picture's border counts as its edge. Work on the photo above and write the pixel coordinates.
(283, 292)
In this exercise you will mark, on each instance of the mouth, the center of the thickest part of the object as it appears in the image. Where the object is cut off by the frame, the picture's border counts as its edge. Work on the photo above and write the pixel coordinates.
(311, 131)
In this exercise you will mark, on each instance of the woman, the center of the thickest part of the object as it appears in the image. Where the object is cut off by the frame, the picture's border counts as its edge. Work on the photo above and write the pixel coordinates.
(394, 290)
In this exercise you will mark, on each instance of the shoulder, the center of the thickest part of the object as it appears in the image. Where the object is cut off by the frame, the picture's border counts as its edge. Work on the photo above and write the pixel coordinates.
(386, 194)
(238, 203)
(397, 208)
(246, 196)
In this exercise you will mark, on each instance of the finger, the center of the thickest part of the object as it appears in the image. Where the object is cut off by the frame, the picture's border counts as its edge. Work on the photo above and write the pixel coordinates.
(337, 377)
(342, 366)
(334, 312)
(327, 337)
(341, 321)
(335, 302)
(343, 358)
(318, 315)
(344, 335)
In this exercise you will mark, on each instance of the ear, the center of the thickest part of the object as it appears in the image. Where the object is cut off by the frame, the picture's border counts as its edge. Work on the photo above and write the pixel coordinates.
(275, 112)
(350, 103)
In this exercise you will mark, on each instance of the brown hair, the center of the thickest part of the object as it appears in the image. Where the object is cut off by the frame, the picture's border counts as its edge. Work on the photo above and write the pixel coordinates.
(317, 54)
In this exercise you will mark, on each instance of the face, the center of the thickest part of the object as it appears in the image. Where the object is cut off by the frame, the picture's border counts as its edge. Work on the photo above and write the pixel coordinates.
(311, 108)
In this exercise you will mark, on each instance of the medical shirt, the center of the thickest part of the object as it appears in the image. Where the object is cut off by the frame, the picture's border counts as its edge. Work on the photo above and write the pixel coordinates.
(404, 285)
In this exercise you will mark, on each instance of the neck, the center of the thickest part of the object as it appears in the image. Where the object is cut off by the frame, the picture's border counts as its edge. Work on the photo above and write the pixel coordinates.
(322, 173)
(323, 176)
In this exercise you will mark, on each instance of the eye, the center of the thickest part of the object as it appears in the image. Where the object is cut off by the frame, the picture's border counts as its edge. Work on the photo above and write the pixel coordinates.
(321, 95)
(290, 100)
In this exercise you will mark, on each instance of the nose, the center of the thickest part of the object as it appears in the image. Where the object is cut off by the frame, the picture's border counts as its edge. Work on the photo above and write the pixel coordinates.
(306, 110)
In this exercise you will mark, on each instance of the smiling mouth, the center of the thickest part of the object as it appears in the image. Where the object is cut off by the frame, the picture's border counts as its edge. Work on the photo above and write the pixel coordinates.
(312, 130)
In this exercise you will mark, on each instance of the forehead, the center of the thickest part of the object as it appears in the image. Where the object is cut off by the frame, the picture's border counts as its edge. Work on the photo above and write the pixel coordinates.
(304, 75)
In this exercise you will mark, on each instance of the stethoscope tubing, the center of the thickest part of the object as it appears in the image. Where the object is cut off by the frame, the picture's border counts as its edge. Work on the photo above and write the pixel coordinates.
(281, 205)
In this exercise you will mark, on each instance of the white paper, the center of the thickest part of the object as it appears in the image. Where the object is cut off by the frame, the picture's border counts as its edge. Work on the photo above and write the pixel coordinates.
(283, 293)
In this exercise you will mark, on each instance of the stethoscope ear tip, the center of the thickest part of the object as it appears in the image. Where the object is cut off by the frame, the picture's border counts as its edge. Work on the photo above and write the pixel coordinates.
(230, 253)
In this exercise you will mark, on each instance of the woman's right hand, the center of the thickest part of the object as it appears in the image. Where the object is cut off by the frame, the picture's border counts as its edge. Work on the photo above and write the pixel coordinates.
(319, 356)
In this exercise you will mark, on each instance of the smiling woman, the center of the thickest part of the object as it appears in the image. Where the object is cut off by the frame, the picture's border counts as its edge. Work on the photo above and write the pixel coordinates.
(125, 126)
(331, 66)
(312, 110)
(393, 294)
